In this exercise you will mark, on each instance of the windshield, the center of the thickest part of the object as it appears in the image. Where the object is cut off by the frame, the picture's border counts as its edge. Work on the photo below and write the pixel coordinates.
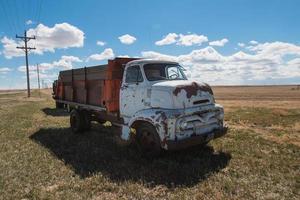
(163, 71)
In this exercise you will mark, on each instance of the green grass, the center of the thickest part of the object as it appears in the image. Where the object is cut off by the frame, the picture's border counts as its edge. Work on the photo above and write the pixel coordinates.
(41, 159)
(264, 117)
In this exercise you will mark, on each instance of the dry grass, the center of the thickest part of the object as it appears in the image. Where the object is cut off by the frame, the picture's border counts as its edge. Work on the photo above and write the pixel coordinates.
(259, 159)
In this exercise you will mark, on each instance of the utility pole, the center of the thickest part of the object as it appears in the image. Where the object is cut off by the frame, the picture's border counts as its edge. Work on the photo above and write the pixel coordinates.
(26, 48)
(38, 76)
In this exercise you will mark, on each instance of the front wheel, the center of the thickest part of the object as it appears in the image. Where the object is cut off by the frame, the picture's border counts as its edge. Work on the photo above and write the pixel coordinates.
(148, 140)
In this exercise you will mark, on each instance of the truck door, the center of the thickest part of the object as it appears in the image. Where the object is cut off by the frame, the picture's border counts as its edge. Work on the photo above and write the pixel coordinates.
(132, 91)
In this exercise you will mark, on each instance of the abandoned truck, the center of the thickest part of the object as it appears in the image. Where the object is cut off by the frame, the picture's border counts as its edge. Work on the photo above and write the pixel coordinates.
(151, 101)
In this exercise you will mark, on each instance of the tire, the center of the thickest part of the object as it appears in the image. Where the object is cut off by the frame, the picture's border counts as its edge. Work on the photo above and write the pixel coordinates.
(203, 145)
(76, 122)
(148, 140)
(86, 120)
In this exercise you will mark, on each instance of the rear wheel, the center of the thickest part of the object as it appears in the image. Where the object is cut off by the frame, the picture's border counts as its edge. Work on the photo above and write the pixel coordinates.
(86, 117)
(76, 122)
(148, 140)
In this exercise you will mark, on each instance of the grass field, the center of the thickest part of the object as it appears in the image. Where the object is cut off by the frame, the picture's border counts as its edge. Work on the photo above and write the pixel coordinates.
(259, 158)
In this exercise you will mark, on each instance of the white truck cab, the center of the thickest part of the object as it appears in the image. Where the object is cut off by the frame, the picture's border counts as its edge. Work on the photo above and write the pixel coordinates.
(182, 112)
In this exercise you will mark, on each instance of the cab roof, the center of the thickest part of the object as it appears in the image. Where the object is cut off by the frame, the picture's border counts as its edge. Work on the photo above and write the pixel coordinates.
(149, 61)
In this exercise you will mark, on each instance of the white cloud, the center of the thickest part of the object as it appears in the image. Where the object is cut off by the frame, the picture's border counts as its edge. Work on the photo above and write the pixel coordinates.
(253, 42)
(46, 70)
(219, 43)
(158, 56)
(30, 67)
(60, 36)
(266, 64)
(100, 43)
(205, 55)
(240, 44)
(106, 54)
(10, 48)
(48, 77)
(123, 56)
(168, 39)
(127, 39)
(182, 40)
(65, 62)
(191, 39)
(5, 70)
(28, 22)
(295, 61)
(275, 49)
(46, 66)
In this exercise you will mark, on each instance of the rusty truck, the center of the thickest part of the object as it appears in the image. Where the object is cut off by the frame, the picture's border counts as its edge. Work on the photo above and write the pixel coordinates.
(151, 101)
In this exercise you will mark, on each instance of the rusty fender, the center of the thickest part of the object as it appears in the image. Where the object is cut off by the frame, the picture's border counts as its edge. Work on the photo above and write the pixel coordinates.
(164, 120)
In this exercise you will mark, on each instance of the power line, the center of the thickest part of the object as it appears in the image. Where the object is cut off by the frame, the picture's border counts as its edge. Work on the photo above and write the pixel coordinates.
(23, 16)
(26, 48)
(39, 13)
(18, 21)
(36, 10)
(37, 18)
(12, 10)
(12, 28)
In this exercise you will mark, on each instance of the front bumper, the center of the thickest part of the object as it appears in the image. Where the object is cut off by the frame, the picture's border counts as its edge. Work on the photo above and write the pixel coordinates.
(195, 140)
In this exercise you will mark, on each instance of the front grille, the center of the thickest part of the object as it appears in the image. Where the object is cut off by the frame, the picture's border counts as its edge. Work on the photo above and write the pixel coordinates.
(201, 101)
(198, 123)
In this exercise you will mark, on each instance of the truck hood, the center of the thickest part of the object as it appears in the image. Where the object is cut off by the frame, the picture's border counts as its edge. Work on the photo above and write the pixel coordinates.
(180, 94)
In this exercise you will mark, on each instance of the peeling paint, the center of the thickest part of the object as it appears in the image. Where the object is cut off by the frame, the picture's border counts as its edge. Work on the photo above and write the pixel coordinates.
(192, 89)
(125, 133)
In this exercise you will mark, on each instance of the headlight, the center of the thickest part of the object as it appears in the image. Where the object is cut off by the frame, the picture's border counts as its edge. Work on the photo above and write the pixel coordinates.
(220, 114)
(183, 125)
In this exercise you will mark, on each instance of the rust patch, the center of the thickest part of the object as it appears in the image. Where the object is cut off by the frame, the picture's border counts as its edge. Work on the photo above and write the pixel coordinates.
(163, 121)
(191, 90)
(163, 116)
(165, 126)
(164, 141)
(144, 119)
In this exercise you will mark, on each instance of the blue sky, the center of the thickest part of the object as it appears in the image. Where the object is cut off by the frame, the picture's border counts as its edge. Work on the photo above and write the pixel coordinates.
(210, 38)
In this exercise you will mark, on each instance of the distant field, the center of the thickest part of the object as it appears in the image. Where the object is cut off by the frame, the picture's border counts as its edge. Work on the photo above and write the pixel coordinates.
(259, 158)
(11, 91)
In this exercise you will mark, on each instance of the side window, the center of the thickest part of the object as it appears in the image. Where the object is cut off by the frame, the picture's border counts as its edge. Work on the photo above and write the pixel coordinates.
(133, 74)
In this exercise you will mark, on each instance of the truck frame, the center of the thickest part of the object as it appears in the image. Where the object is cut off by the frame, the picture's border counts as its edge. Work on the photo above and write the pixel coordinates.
(150, 101)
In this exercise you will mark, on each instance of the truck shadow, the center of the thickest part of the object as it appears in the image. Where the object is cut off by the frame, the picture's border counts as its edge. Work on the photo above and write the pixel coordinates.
(97, 151)
(55, 112)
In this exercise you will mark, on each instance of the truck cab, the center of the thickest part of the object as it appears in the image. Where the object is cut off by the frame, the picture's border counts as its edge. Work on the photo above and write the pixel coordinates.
(182, 112)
